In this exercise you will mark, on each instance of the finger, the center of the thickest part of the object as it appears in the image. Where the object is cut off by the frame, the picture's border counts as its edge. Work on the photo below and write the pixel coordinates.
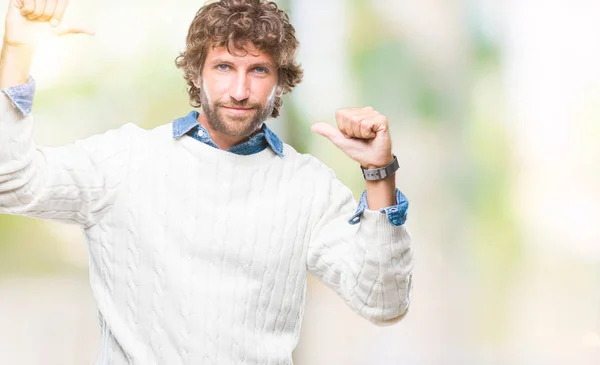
(357, 119)
(338, 121)
(347, 126)
(28, 7)
(380, 123)
(342, 122)
(38, 9)
(48, 10)
(59, 12)
(368, 109)
(367, 113)
(330, 132)
(373, 120)
(366, 129)
(356, 126)
(349, 120)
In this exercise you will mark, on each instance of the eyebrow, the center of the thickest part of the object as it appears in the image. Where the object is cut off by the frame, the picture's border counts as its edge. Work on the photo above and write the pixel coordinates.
(220, 61)
(263, 65)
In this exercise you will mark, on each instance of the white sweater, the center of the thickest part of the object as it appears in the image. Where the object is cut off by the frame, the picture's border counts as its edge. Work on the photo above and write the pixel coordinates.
(198, 255)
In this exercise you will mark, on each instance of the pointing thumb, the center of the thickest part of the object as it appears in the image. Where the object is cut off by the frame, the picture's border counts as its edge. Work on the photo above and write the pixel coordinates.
(327, 131)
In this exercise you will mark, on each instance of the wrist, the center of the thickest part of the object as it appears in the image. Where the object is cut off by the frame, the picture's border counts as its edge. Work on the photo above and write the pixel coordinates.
(389, 181)
(381, 193)
(380, 173)
(379, 164)
(17, 46)
(15, 64)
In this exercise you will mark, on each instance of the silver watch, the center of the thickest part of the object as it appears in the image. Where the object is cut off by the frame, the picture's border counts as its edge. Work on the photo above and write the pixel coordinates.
(382, 172)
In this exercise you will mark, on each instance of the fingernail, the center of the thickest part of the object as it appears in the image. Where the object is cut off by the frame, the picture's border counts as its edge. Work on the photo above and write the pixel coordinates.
(54, 22)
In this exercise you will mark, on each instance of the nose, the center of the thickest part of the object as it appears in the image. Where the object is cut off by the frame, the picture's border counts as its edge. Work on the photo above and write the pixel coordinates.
(240, 88)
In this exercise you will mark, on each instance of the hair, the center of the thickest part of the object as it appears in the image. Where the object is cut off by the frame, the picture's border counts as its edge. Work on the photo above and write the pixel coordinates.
(233, 24)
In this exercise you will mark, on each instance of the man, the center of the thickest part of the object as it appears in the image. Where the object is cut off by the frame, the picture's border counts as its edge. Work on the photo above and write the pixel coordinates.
(201, 231)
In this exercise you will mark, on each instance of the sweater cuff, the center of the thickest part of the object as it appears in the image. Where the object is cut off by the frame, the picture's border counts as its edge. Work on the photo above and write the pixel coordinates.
(21, 96)
(396, 214)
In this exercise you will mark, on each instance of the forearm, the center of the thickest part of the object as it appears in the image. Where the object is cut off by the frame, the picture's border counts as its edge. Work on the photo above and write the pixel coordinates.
(15, 64)
(381, 193)
(16, 152)
(16, 140)
(370, 267)
(17, 158)
(368, 264)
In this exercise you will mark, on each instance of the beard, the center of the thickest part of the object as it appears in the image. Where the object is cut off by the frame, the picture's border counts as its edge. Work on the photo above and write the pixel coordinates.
(236, 125)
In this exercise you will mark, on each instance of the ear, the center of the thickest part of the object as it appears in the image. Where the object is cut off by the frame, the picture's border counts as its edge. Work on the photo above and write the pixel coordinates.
(279, 91)
(197, 82)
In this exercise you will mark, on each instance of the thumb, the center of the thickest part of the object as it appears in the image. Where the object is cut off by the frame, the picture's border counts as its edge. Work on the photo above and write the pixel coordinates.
(329, 132)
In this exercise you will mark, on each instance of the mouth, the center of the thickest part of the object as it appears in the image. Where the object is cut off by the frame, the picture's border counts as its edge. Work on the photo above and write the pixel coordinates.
(237, 109)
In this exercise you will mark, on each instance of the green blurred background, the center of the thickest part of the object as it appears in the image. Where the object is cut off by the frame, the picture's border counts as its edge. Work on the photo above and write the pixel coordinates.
(494, 111)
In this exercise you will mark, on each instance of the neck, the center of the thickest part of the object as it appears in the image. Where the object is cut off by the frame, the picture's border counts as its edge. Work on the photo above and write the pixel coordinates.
(224, 141)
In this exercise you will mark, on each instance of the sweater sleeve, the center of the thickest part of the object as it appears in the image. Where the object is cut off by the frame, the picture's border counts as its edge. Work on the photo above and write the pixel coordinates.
(368, 264)
(75, 183)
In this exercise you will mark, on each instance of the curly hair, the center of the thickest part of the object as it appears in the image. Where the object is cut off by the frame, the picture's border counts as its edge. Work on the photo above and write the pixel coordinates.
(233, 24)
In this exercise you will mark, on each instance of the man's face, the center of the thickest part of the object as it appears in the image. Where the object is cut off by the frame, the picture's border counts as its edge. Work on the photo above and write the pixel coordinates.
(238, 92)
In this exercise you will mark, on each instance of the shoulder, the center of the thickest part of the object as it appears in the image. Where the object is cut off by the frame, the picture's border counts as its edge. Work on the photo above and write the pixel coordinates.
(135, 130)
(128, 137)
(141, 136)
(306, 163)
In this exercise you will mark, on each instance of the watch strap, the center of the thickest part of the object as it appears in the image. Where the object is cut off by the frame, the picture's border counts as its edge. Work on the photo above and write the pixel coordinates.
(382, 172)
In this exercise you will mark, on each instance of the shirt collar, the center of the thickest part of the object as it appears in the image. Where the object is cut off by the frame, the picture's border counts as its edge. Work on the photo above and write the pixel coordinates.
(183, 125)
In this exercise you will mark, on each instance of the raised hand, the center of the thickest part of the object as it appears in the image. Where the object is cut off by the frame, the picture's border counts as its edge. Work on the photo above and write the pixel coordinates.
(28, 22)
(362, 134)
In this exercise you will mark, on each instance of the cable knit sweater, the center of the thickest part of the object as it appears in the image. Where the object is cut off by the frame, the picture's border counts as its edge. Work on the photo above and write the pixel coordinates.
(204, 264)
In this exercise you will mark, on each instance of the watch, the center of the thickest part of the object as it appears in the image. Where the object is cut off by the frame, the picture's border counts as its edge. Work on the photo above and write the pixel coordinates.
(382, 172)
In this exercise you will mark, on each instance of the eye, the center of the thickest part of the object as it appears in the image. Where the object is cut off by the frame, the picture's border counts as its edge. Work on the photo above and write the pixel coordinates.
(222, 67)
(261, 70)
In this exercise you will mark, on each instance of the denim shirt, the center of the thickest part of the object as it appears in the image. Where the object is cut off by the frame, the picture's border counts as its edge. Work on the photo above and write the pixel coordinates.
(265, 138)
(22, 98)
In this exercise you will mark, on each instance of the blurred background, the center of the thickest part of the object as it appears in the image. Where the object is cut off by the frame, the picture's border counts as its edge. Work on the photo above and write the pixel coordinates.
(495, 111)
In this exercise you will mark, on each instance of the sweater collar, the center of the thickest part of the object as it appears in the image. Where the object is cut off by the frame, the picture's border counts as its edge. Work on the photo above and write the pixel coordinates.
(183, 125)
